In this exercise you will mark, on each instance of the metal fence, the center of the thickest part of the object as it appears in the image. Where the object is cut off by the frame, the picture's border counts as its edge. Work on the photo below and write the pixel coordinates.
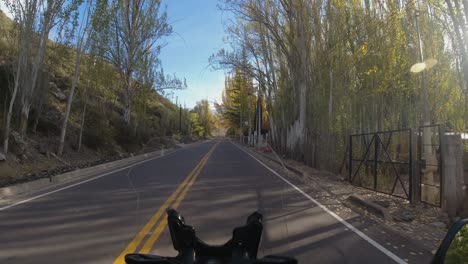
(382, 161)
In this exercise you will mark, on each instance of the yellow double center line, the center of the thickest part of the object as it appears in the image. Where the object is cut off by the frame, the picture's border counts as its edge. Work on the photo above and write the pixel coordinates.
(182, 189)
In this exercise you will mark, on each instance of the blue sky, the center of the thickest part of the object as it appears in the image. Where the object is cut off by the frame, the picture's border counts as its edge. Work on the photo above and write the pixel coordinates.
(198, 33)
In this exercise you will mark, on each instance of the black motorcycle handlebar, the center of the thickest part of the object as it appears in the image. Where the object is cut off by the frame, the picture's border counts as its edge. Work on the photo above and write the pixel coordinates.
(241, 248)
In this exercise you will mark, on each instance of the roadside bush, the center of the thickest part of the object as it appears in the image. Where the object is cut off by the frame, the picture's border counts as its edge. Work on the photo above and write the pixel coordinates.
(98, 134)
(177, 137)
(124, 136)
(231, 131)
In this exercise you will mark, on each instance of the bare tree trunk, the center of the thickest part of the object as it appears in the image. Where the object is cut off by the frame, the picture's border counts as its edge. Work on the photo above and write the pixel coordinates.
(19, 75)
(83, 115)
(69, 102)
(330, 99)
(40, 105)
(127, 101)
(272, 130)
(298, 63)
(6, 134)
(32, 82)
(24, 117)
(5, 106)
(81, 46)
(38, 114)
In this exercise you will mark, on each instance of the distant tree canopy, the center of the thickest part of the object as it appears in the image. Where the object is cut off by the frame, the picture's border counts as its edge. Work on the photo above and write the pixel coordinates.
(234, 107)
(203, 121)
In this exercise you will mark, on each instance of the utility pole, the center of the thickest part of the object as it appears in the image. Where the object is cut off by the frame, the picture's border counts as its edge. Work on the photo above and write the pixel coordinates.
(180, 119)
(424, 99)
(259, 118)
(428, 156)
(250, 118)
(241, 130)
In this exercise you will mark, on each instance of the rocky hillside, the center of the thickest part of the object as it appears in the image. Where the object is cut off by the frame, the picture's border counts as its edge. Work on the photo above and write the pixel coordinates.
(96, 112)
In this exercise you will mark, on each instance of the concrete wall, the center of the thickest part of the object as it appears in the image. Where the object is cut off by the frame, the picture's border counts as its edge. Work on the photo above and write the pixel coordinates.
(453, 182)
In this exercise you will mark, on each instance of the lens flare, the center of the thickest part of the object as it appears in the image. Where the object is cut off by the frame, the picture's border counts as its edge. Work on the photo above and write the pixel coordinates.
(418, 67)
(421, 66)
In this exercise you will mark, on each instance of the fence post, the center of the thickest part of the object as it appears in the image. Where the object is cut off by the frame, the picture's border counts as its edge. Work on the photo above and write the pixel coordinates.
(415, 167)
(444, 145)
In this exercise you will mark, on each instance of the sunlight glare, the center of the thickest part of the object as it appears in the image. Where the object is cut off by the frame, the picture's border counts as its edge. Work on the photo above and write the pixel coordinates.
(418, 67)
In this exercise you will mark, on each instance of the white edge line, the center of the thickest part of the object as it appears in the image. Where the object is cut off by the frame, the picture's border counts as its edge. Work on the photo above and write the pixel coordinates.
(341, 220)
(88, 180)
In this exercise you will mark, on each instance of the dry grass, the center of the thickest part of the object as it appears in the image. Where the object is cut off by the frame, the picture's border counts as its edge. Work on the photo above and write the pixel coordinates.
(39, 165)
(7, 172)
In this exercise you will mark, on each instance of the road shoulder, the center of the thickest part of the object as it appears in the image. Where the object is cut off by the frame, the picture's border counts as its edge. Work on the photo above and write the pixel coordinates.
(12, 195)
(328, 191)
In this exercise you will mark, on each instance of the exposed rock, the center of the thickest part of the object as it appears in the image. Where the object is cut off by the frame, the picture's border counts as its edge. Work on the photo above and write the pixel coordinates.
(341, 178)
(23, 158)
(2, 157)
(60, 95)
(18, 145)
(382, 203)
(405, 216)
(370, 206)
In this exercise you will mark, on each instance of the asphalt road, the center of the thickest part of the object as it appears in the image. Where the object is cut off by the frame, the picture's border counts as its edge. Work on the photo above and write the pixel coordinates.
(216, 185)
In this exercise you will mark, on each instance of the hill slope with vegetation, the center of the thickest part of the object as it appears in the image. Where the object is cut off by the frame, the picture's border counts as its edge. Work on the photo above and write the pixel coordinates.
(96, 129)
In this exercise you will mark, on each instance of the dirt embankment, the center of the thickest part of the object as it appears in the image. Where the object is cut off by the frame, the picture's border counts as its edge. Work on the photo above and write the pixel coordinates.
(98, 117)
(35, 157)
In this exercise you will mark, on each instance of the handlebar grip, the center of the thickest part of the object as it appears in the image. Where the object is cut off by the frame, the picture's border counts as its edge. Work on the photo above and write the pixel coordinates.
(255, 217)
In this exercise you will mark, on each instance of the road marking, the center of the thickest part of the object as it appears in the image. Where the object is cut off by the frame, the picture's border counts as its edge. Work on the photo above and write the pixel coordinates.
(337, 217)
(88, 180)
(132, 246)
(181, 189)
(162, 225)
